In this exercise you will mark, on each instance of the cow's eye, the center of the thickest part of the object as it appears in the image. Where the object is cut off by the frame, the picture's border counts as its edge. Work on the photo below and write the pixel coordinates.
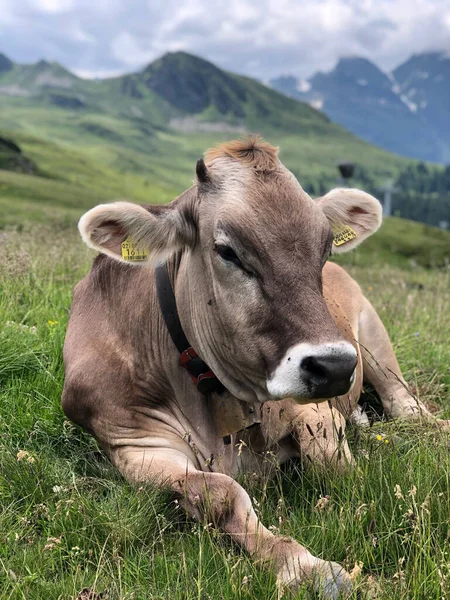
(228, 254)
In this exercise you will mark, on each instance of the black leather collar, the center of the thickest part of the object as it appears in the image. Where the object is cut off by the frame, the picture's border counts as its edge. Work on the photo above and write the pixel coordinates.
(200, 373)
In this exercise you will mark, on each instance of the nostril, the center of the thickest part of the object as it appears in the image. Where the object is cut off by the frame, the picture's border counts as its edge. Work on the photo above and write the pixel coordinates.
(312, 366)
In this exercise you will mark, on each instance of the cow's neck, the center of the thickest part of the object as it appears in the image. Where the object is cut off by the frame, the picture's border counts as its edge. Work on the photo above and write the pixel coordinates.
(201, 374)
(229, 414)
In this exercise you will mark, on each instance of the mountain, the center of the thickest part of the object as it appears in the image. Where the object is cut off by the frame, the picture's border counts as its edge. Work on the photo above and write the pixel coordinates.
(194, 85)
(406, 112)
(158, 121)
(29, 80)
(176, 86)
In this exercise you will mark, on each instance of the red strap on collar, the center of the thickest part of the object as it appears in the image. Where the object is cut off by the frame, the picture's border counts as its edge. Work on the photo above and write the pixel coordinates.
(185, 359)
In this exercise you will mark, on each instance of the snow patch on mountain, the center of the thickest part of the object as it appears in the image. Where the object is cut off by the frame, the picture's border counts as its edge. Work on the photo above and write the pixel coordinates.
(411, 105)
(317, 103)
(303, 86)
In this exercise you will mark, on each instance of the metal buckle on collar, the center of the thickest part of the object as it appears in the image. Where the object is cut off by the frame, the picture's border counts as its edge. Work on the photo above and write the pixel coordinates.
(187, 356)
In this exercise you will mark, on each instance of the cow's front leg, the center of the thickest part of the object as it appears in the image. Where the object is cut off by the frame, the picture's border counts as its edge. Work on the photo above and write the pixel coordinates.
(317, 429)
(320, 432)
(381, 370)
(222, 501)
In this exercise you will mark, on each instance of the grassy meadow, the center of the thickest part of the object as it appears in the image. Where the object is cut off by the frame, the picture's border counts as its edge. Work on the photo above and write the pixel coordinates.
(69, 522)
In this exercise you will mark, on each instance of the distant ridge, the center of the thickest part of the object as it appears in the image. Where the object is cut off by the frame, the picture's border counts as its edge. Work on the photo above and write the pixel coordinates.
(167, 91)
(406, 112)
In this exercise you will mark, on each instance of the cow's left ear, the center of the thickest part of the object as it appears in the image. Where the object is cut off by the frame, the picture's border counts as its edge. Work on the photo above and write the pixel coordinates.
(353, 216)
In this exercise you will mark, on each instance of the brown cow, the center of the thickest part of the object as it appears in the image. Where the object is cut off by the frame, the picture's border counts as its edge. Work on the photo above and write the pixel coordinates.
(245, 253)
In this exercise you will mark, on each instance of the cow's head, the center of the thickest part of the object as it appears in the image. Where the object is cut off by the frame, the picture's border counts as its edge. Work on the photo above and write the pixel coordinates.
(249, 281)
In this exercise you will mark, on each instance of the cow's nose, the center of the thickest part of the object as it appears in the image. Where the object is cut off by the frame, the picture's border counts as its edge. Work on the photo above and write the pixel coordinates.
(330, 374)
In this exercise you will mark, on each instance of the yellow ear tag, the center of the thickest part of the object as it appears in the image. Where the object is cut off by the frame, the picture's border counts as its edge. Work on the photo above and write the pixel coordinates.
(132, 252)
(343, 234)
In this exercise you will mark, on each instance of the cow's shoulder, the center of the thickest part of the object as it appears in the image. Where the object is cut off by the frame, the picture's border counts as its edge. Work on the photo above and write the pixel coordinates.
(342, 293)
(338, 281)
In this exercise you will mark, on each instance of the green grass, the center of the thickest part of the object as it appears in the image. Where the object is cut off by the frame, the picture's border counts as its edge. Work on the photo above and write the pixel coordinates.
(134, 543)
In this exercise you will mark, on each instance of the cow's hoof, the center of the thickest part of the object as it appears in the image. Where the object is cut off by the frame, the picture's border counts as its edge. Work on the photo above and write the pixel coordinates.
(329, 579)
(334, 583)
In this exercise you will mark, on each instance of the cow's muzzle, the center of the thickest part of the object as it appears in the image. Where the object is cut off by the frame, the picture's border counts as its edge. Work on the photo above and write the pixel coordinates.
(310, 371)
(330, 374)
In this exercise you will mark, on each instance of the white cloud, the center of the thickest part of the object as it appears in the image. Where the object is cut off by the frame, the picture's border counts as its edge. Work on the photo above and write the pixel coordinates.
(129, 50)
(53, 6)
(78, 34)
(317, 103)
(262, 39)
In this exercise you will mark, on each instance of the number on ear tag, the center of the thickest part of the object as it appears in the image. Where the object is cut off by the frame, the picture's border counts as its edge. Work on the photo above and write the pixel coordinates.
(343, 234)
(132, 252)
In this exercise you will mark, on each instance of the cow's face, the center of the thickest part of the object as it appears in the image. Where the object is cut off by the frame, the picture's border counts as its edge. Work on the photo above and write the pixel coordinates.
(249, 283)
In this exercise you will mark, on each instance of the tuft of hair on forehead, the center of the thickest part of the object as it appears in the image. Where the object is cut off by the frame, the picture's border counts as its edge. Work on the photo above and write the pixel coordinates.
(252, 151)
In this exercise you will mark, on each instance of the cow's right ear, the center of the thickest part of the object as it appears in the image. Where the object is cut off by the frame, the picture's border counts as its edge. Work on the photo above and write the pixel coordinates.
(131, 233)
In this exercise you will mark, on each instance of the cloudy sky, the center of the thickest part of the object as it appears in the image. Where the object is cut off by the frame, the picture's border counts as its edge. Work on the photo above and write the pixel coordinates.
(261, 38)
